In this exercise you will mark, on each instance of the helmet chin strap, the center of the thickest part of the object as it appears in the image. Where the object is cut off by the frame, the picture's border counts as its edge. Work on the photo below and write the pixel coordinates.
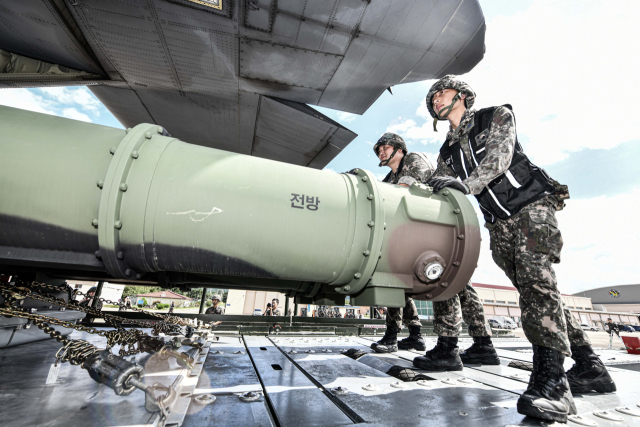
(442, 115)
(386, 162)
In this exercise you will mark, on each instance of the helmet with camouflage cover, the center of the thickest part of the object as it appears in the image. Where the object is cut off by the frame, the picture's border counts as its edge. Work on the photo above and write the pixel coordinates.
(449, 82)
(216, 296)
(393, 140)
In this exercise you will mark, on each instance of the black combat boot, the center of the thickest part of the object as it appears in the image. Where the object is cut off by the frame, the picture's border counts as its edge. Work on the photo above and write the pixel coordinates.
(548, 396)
(589, 373)
(481, 352)
(414, 341)
(388, 343)
(443, 357)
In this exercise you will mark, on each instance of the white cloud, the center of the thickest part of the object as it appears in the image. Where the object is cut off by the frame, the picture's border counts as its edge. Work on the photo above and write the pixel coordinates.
(80, 96)
(72, 113)
(73, 103)
(346, 117)
(25, 99)
(599, 245)
(413, 133)
(566, 68)
(570, 59)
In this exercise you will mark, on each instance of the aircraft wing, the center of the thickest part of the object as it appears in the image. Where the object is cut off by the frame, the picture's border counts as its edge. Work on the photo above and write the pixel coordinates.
(237, 74)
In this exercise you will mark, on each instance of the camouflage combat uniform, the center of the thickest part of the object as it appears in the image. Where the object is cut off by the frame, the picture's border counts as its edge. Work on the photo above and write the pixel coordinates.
(413, 168)
(526, 244)
(214, 310)
(447, 314)
(467, 306)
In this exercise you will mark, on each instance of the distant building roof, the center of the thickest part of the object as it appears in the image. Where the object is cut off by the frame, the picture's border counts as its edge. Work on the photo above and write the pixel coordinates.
(613, 294)
(508, 288)
(503, 288)
(164, 294)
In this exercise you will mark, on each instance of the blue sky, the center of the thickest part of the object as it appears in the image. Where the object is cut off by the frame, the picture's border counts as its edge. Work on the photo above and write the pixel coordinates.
(569, 69)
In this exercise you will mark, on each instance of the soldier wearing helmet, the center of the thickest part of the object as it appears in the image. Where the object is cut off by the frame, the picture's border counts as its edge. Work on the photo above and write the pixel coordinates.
(481, 156)
(406, 169)
(88, 299)
(214, 309)
(448, 315)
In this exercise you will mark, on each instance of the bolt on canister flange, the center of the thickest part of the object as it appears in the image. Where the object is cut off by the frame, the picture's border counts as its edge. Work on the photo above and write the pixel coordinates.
(123, 187)
(118, 224)
(371, 224)
(134, 154)
(94, 222)
(456, 211)
(100, 184)
(366, 253)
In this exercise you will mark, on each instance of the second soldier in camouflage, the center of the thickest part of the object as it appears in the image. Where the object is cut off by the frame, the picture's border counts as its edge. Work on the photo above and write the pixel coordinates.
(407, 169)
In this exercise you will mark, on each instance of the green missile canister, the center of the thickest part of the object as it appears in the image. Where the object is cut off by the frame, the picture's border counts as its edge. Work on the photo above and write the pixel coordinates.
(79, 200)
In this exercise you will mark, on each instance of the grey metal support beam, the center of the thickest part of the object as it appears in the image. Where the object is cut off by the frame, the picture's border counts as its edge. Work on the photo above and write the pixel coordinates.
(286, 306)
(96, 297)
(203, 300)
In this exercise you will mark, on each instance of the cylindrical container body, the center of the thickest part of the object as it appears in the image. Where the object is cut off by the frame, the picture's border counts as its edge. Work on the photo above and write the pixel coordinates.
(139, 206)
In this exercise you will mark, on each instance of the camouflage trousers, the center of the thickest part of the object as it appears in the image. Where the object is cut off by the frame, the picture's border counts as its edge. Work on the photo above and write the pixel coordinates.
(524, 247)
(396, 316)
(448, 315)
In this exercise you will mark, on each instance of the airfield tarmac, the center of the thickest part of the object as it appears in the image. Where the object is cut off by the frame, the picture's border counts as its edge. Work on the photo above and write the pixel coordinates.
(299, 380)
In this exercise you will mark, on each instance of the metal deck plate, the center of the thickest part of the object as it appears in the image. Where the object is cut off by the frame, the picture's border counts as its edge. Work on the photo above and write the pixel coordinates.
(294, 397)
(296, 386)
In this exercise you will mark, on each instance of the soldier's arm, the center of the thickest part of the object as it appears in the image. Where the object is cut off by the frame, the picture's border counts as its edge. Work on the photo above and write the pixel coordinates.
(442, 169)
(415, 169)
(499, 151)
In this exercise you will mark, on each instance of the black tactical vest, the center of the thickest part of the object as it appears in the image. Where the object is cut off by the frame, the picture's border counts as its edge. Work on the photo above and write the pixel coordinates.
(522, 184)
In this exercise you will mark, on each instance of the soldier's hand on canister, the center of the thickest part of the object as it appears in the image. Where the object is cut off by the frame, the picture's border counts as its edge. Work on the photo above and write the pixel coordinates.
(447, 181)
